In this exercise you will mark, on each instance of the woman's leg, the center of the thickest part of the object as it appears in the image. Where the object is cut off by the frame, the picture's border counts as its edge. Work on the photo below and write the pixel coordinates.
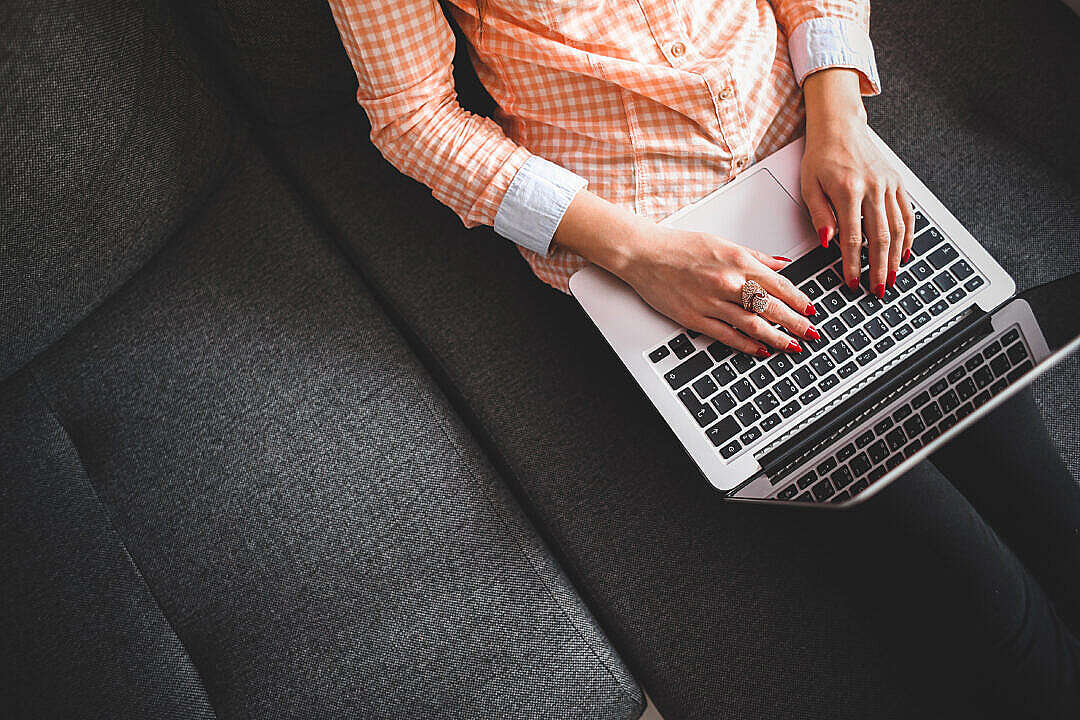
(938, 550)
(1012, 473)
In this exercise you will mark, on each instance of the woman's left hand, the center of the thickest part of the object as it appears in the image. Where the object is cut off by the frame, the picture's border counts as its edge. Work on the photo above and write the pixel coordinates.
(843, 171)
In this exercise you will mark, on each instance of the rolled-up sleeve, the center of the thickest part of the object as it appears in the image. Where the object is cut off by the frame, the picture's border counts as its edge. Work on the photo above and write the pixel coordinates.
(827, 34)
(402, 52)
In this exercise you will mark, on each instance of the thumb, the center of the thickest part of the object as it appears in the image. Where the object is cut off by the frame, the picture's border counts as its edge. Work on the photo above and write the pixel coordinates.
(821, 214)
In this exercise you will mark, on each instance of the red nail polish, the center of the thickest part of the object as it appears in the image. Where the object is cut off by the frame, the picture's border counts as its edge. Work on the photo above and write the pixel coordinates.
(892, 278)
(823, 235)
(853, 283)
(793, 347)
(810, 309)
(880, 291)
(762, 353)
(907, 254)
(812, 333)
(781, 258)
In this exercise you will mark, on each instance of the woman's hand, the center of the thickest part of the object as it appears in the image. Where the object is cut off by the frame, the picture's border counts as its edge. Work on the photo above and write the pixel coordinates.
(842, 166)
(693, 278)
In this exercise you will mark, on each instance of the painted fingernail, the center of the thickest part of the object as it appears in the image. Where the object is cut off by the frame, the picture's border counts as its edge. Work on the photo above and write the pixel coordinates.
(812, 333)
(762, 352)
(907, 254)
(810, 310)
(853, 283)
(892, 278)
(781, 258)
(794, 347)
(823, 235)
(880, 291)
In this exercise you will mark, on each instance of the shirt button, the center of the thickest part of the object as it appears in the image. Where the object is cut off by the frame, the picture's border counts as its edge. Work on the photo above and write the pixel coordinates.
(727, 93)
(678, 49)
(740, 163)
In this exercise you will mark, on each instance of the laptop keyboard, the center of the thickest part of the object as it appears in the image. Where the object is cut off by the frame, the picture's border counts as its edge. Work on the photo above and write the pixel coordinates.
(925, 407)
(737, 398)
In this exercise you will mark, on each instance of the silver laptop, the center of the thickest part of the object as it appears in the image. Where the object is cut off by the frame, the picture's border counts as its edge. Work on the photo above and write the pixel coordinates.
(889, 381)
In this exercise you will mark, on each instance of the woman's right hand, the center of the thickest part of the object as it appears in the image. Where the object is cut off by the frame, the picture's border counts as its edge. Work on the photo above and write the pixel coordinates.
(696, 280)
(693, 278)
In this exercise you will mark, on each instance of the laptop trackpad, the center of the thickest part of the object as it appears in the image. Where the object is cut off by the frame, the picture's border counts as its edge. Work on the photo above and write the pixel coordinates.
(756, 212)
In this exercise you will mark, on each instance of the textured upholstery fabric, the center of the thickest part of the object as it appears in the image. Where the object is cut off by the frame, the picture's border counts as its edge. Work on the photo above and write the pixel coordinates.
(107, 139)
(82, 635)
(317, 526)
(638, 530)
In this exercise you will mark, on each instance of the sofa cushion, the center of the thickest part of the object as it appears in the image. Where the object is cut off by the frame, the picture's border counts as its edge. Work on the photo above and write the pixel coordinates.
(108, 138)
(316, 524)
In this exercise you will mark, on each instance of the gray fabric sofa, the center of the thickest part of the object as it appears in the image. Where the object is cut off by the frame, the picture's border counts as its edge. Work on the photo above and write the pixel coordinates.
(279, 438)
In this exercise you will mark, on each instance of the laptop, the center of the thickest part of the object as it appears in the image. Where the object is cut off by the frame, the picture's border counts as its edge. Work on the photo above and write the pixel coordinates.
(890, 380)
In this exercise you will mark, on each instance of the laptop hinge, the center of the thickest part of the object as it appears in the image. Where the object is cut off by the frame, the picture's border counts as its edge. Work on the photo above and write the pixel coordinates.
(850, 409)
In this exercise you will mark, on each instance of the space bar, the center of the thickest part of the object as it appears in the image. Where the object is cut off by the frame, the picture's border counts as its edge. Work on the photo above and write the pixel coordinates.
(810, 263)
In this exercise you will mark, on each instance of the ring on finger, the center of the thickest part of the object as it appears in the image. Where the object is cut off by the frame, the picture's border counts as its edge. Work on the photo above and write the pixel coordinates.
(754, 298)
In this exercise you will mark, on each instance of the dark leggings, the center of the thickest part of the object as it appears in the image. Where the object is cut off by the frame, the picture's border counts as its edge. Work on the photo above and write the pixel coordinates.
(1005, 530)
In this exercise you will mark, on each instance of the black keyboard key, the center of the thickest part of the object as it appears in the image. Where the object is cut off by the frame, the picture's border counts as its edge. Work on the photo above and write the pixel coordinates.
(723, 403)
(999, 386)
(659, 353)
(926, 241)
(866, 357)
(814, 345)
(877, 452)
(919, 320)
(761, 377)
(921, 399)
(858, 487)
(810, 396)
(882, 426)
(803, 376)
(742, 389)
(823, 490)
(780, 364)
(973, 284)
(961, 269)
(913, 448)
(901, 412)
(914, 426)
(865, 439)
(723, 374)
(894, 461)
(870, 305)
(787, 493)
(829, 279)
(930, 435)
(834, 328)
(876, 328)
(770, 422)
(890, 295)
(928, 293)
(693, 334)
(840, 498)
(1018, 371)
(983, 377)
(688, 369)
(964, 410)
(991, 350)
(790, 409)
(922, 270)
(1016, 353)
(858, 340)
(980, 398)
(911, 304)
(703, 414)
(811, 290)
(956, 375)
(847, 371)
(748, 415)
(722, 431)
(876, 474)
(822, 364)
(840, 352)
(973, 362)
(750, 436)
(852, 316)
(833, 302)
(965, 389)
(1011, 336)
(947, 422)
(931, 414)
(826, 466)
(902, 332)
(920, 222)
(730, 449)
(944, 281)
(766, 401)
(943, 256)
(949, 401)
(896, 439)
(893, 316)
(845, 452)
(939, 387)
(807, 480)
(860, 464)
(956, 295)
(1000, 365)
(742, 362)
(828, 383)
(851, 294)
(808, 265)
(904, 282)
(939, 307)
(704, 387)
(719, 350)
(785, 389)
(681, 346)
(884, 344)
(842, 478)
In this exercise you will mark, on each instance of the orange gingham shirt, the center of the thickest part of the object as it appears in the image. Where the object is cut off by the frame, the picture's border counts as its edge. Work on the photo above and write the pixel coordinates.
(651, 103)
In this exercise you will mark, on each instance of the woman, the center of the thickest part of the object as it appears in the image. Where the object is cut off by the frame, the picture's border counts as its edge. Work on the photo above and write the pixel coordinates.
(613, 114)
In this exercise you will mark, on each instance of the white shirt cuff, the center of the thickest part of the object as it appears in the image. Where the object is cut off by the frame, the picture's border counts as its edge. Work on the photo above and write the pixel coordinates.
(825, 42)
(535, 203)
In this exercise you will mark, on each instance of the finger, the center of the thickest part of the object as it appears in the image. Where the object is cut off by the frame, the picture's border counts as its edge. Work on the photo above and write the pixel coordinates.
(719, 330)
(821, 213)
(878, 235)
(897, 231)
(909, 223)
(785, 291)
(773, 262)
(850, 237)
(796, 324)
(756, 326)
